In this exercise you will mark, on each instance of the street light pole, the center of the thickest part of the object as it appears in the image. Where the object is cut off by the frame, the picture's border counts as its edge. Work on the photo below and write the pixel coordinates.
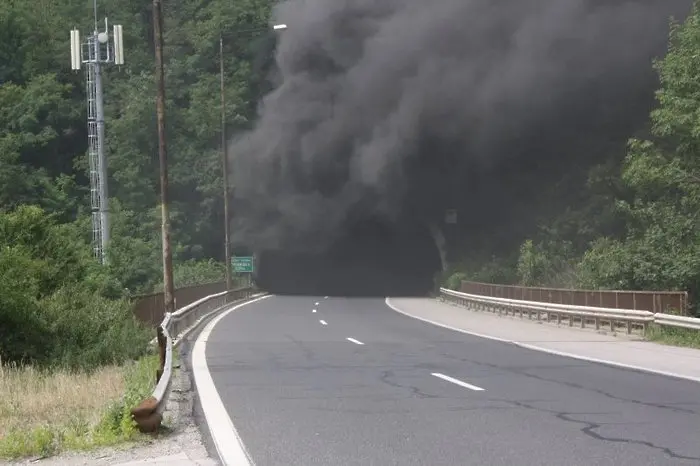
(224, 153)
(224, 162)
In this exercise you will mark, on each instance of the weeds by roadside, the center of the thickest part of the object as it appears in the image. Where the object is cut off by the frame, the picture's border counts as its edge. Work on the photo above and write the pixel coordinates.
(674, 336)
(45, 412)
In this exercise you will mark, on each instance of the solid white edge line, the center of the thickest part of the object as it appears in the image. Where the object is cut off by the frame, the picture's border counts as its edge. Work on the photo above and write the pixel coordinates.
(226, 439)
(323, 322)
(605, 362)
(461, 383)
(357, 342)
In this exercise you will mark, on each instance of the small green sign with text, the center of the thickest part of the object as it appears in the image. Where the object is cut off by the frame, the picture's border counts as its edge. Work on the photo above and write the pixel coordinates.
(242, 264)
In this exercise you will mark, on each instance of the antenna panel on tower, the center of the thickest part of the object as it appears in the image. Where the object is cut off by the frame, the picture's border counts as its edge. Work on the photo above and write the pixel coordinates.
(75, 56)
(118, 45)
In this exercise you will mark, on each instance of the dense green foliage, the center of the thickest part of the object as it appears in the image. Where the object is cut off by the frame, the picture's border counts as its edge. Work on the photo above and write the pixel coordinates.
(628, 222)
(635, 224)
(57, 305)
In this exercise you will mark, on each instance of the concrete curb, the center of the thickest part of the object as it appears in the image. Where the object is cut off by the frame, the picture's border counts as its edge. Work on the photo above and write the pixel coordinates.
(547, 350)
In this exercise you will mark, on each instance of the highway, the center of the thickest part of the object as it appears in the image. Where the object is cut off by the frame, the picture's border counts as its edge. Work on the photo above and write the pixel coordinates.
(349, 381)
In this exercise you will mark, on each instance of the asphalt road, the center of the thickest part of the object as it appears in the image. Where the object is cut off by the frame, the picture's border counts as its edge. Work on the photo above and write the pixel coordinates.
(300, 393)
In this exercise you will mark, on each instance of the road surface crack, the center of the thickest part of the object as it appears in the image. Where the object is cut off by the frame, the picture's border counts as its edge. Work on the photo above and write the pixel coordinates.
(387, 375)
(308, 353)
(670, 407)
(592, 426)
(589, 429)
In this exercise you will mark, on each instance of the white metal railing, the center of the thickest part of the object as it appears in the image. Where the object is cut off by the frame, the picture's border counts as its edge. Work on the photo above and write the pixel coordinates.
(172, 330)
(671, 320)
(572, 315)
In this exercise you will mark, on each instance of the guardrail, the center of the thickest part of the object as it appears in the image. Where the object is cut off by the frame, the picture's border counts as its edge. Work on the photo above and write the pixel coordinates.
(170, 333)
(671, 302)
(671, 320)
(149, 308)
(573, 315)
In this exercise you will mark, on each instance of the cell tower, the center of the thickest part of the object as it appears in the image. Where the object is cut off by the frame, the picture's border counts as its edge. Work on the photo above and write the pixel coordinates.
(96, 51)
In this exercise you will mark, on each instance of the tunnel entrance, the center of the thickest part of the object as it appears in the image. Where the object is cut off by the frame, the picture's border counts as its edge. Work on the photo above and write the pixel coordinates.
(373, 257)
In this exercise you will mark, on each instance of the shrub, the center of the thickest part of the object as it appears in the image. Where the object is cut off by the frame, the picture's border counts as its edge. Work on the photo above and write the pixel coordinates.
(454, 281)
(90, 330)
(58, 306)
(23, 333)
(196, 272)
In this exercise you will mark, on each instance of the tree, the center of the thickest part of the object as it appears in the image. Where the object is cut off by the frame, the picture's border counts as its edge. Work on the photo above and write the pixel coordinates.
(661, 245)
(48, 276)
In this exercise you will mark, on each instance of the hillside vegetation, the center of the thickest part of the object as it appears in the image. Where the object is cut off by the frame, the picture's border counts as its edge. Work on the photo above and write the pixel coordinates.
(58, 307)
(631, 221)
(73, 360)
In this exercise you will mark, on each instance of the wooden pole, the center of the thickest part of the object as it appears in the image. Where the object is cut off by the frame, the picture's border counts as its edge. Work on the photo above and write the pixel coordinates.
(168, 291)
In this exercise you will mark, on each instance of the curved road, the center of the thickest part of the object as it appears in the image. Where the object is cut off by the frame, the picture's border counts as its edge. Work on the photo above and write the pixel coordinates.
(375, 387)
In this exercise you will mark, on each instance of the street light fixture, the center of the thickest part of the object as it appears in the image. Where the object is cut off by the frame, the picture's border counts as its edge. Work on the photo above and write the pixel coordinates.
(224, 152)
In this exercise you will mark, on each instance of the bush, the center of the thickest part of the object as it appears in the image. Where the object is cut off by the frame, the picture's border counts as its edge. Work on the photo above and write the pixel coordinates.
(496, 270)
(548, 262)
(90, 330)
(193, 272)
(474, 269)
(134, 250)
(58, 306)
(23, 333)
(533, 264)
(454, 281)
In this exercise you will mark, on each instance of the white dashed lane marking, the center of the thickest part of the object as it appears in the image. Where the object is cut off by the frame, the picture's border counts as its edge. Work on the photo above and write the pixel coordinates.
(457, 382)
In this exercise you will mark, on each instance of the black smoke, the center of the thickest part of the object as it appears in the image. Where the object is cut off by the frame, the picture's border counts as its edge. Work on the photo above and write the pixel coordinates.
(399, 109)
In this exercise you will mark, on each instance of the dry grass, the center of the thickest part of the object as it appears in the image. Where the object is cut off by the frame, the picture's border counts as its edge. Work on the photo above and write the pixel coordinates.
(32, 398)
(45, 412)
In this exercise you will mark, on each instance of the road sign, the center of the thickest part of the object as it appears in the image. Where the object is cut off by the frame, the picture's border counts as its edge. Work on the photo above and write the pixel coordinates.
(242, 264)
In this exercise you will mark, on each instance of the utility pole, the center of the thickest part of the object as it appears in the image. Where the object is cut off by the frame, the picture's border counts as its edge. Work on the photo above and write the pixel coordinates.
(168, 292)
(224, 161)
(95, 53)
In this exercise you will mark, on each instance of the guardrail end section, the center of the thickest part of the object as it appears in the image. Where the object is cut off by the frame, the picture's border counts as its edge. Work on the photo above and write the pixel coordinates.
(146, 415)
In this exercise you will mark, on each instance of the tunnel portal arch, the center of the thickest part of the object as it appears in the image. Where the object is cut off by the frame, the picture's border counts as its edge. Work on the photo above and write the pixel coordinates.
(372, 257)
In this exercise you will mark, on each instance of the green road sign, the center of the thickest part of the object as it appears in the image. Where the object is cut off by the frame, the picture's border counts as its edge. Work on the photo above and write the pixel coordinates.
(242, 264)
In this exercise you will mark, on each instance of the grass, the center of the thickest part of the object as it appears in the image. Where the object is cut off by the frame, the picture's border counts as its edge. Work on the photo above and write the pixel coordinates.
(45, 412)
(674, 336)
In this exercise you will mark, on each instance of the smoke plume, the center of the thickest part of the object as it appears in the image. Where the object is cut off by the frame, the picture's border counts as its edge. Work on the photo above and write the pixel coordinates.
(389, 107)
